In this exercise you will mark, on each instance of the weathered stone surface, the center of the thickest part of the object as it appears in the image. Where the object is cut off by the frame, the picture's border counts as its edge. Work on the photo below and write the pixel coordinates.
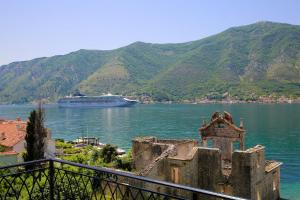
(243, 173)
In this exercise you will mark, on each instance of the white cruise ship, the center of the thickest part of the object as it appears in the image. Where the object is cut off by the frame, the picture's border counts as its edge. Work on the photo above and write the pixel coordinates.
(108, 100)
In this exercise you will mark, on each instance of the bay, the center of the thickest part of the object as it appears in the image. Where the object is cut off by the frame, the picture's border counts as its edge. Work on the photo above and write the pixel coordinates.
(276, 126)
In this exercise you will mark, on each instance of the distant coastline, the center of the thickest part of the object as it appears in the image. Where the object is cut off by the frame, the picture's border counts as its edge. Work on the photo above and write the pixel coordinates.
(173, 102)
(220, 102)
(150, 100)
(261, 100)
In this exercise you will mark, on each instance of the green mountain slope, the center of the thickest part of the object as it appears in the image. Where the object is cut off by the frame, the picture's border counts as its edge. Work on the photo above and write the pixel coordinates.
(246, 62)
(262, 58)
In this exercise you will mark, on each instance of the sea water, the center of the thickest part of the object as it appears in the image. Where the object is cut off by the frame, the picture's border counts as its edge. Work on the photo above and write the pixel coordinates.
(276, 126)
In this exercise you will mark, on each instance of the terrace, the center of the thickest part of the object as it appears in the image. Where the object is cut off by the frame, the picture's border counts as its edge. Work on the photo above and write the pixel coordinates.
(59, 179)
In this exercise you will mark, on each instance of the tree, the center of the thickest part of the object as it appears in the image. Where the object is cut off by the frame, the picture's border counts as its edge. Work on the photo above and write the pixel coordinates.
(2, 148)
(36, 135)
(96, 154)
(109, 153)
(125, 162)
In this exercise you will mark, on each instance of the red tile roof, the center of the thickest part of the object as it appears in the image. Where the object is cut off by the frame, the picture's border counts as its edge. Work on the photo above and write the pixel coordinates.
(12, 132)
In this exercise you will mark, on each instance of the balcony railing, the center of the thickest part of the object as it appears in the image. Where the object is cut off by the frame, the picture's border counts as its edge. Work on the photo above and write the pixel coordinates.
(59, 179)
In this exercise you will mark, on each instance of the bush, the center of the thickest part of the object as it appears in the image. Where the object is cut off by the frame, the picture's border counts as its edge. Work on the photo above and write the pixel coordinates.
(59, 140)
(2, 148)
(72, 150)
(95, 155)
(62, 145)
(77, 158)
(108, 153)
(125, 162)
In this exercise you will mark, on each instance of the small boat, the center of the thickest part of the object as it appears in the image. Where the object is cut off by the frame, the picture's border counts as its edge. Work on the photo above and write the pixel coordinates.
(120, 151)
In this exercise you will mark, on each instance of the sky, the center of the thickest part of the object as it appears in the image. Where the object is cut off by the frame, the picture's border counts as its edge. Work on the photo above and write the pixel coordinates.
(35, 28)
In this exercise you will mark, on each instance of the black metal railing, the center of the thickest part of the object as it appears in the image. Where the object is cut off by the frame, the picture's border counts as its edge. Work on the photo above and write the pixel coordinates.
(59, 179)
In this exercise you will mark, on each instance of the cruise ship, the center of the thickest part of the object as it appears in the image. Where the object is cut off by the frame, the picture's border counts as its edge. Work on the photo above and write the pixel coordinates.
(108, 100)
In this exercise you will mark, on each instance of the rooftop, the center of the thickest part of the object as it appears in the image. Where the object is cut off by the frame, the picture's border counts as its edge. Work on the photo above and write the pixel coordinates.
(12, 132)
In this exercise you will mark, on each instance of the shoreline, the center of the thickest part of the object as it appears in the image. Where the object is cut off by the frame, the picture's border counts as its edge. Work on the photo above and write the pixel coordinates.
(174, 102)
(220, 102)
(297, 101)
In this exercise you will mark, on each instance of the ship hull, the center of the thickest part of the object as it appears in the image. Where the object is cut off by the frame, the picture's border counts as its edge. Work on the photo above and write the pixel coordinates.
(69, 105)
(101, 102)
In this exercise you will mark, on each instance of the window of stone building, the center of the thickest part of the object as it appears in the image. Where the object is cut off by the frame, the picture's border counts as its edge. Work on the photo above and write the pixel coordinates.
(258, 160)
(235, 146)
(210, 143)
(274, 185)
(175, 174)
(221, 125)
(275, 178)
(225, 189)
(258, 195)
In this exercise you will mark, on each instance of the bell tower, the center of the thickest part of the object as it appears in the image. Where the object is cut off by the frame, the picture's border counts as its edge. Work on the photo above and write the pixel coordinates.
(222, 132)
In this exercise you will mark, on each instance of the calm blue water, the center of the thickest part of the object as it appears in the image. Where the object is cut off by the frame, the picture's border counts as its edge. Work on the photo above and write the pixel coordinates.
(275, 126)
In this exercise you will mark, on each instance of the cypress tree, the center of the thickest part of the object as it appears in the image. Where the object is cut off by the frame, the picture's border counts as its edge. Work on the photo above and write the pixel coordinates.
(36, 135)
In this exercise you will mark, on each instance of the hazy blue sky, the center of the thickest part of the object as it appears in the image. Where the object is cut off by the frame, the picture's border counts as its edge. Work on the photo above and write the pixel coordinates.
(31, 29)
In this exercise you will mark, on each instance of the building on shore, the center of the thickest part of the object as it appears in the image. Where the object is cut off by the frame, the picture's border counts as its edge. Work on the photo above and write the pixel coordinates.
(87, 141)
(215, 165)
(12, 141)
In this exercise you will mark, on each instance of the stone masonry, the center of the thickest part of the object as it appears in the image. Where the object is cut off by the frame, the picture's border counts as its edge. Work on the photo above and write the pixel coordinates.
(214, 165)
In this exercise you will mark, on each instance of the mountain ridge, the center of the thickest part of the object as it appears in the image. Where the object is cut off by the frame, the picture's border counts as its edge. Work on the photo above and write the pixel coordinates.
(246, 62)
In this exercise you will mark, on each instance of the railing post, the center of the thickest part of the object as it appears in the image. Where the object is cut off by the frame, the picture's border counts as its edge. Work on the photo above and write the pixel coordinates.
(51, 179)
(195, 196)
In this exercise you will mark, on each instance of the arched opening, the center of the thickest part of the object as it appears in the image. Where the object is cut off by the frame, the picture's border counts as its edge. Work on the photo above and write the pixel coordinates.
(235, 146)
(210, 143)
(175, 174)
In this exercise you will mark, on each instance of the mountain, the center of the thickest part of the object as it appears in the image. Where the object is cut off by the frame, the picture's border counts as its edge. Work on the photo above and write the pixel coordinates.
(245, 62)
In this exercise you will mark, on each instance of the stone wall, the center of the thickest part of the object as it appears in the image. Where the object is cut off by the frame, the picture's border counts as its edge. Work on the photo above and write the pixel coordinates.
(145, 151)
(184, 149)
(241, 174)
(209, 170)
(249, 175)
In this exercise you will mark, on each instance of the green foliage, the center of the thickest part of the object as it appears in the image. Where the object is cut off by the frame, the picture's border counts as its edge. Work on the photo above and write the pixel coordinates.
(72, 150)
(70, 183)
(77, 158)
(34, 182)
(108, 153)
(105, 157)
(59, 140)
(62, 145)
(241, 60)
(67, 148)
(96, 155)
(2, 148)
(36, 135)
(125, 162)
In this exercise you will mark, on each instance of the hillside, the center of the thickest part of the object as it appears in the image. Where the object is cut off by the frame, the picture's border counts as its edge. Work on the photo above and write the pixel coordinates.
(245, 62)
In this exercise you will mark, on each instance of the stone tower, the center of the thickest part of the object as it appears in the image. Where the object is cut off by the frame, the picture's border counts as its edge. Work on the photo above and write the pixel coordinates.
(223, 134)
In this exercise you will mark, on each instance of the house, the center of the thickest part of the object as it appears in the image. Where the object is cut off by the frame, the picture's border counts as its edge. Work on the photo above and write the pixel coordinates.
(87, 141)
(12, 141)
(215, 165)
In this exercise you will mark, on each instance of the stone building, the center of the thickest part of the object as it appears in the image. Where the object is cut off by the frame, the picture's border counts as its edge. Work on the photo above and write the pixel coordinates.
(214, 165)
